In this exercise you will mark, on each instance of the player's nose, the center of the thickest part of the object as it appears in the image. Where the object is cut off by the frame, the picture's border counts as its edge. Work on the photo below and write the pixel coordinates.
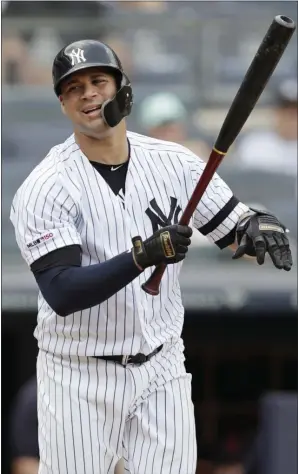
(89, 91)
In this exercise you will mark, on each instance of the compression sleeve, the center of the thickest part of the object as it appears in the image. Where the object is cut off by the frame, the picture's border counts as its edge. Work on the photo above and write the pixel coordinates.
(68, 288)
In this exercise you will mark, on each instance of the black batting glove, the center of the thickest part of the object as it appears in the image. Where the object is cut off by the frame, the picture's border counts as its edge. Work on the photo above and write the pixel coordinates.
(259, 232)
(167, 245)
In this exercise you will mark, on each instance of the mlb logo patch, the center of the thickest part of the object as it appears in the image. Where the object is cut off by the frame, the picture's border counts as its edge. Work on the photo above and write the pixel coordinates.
(41, 239)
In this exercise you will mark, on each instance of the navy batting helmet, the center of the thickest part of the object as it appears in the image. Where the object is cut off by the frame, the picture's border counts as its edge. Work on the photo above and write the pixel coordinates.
(89, 53)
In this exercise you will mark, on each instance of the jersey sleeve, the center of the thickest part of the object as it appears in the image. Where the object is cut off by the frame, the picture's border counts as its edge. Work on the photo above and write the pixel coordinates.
(219, 210)
(44, 216)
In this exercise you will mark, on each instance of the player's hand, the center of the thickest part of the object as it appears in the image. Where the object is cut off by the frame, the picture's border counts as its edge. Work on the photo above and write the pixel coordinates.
(167, 245)
(260, 232)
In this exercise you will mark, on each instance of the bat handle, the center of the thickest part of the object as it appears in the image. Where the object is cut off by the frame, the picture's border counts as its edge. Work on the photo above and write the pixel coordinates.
(151, 286)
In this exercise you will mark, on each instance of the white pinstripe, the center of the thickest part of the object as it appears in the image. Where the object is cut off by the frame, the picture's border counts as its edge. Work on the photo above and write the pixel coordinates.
(67, 199)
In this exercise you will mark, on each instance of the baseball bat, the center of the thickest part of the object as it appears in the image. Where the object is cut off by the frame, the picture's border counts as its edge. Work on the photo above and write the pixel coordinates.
(259, 72)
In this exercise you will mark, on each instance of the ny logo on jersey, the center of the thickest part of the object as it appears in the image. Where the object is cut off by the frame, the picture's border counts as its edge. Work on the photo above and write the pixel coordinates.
(77, 56)
(158, 218)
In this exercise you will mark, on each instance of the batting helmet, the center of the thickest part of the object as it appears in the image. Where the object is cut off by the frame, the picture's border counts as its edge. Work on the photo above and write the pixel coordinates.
(89, 53)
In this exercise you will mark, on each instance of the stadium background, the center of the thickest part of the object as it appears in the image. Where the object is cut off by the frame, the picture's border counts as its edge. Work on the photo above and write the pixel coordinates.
(241, 321)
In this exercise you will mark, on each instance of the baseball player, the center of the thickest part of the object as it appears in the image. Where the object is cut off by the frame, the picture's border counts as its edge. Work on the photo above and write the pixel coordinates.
(91, 221)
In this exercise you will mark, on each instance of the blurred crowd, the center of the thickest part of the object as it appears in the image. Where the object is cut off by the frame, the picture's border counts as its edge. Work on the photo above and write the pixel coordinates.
(268, 142)
(168, 111)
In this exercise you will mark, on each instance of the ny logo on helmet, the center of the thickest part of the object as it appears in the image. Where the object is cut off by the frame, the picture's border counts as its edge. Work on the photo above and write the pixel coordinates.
(77, 56)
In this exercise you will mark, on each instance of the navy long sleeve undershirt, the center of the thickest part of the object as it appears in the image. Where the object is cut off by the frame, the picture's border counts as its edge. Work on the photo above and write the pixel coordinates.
(70, 288)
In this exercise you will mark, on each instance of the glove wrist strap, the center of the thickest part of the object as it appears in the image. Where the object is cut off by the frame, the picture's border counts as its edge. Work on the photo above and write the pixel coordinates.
(138, 252)
(245, 217)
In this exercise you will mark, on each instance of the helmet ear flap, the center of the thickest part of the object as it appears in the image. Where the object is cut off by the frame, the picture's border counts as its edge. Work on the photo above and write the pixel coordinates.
(114, 110)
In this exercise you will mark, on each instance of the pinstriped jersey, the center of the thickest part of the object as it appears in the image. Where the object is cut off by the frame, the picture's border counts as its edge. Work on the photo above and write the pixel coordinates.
(65, 201)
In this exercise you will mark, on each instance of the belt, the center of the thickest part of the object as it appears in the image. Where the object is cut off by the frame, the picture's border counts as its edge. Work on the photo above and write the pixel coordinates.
(130, 359)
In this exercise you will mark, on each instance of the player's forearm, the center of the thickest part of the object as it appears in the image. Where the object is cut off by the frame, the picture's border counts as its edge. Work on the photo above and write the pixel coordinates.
(71, 289)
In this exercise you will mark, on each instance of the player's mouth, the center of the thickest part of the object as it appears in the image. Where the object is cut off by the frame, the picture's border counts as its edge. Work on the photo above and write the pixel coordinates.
(92, 110)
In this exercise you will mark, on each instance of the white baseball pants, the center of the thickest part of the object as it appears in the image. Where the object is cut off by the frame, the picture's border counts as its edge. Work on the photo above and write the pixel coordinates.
(91, 413)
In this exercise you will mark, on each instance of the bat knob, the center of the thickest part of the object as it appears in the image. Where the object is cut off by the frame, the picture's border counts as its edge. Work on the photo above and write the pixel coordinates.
(285, 21)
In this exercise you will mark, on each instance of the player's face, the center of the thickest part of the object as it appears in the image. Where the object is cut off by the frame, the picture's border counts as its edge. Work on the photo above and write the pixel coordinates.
(82, 96)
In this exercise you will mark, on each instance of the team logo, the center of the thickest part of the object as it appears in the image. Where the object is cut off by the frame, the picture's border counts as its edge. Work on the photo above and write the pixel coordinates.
(77, 56)
(158, 218)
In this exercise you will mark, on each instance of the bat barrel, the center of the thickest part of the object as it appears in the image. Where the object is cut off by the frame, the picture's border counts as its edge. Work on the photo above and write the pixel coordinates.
(256, 78)
(261, 68)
